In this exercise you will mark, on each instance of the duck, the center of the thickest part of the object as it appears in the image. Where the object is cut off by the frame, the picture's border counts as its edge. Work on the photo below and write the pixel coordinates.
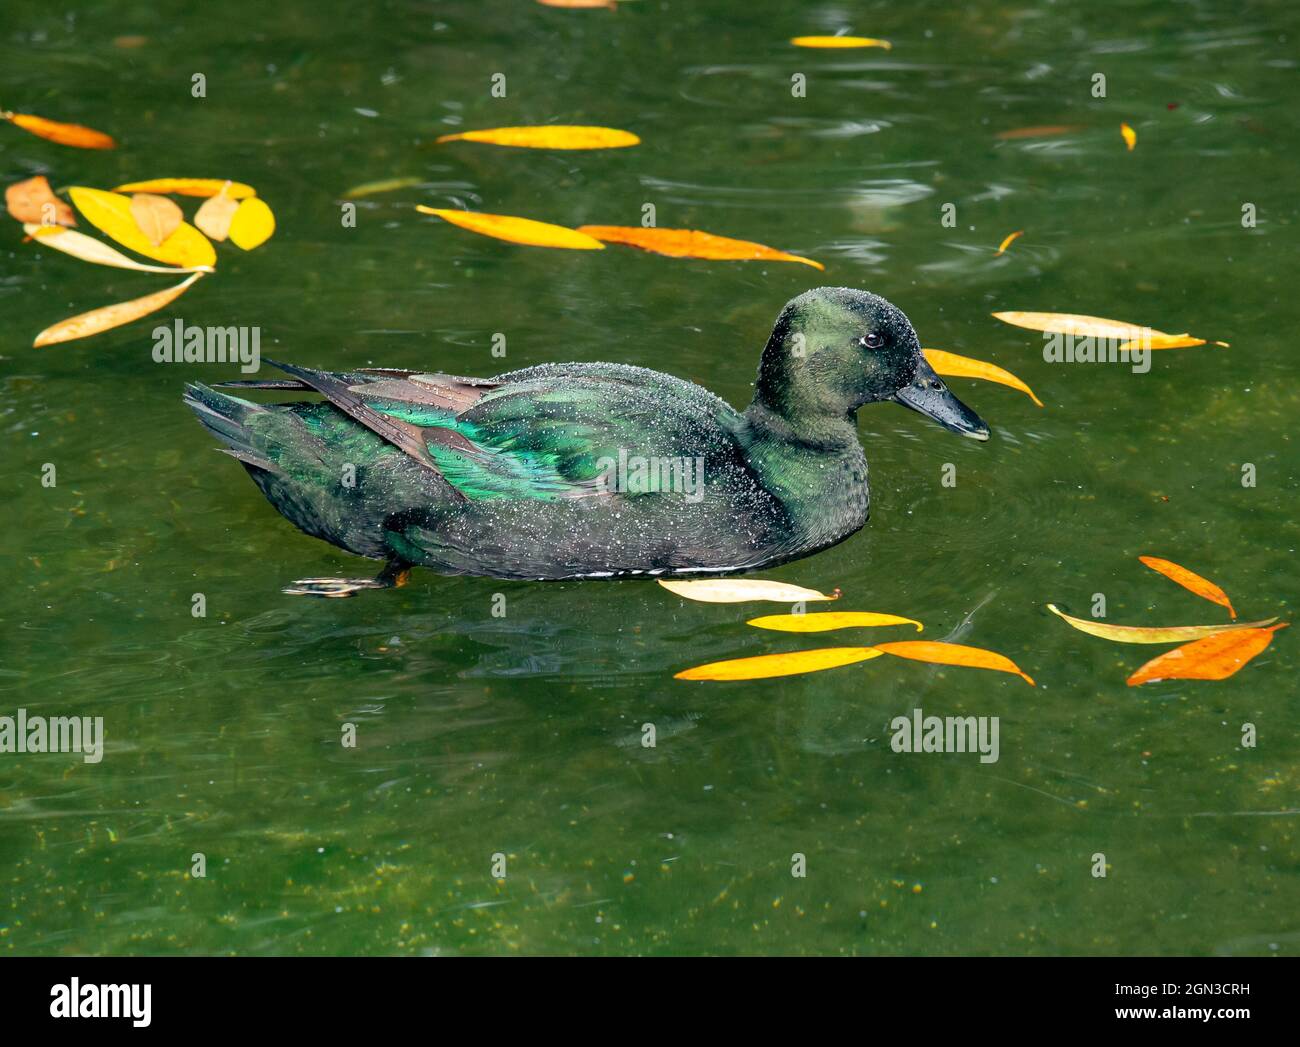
(586, 470)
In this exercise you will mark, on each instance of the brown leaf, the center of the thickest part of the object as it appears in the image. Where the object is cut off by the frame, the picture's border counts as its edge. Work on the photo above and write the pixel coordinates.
(1213, 658)
(156, 216)
(34, 201)
(214, 216)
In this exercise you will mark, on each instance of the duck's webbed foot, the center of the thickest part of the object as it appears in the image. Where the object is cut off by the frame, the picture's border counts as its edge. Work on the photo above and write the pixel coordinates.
(393, 576)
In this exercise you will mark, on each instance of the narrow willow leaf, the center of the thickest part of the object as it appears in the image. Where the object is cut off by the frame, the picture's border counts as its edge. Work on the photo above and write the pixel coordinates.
(608, 4)
(110, 316)
(691, 243)
(1042, 131)
(386, 185)
(739, 590)
(825, 621)
(32, 200)
(88, 249)
(953, 654)
(1213, 658)
(252, 224)
(549, 136)
(841, 41)
(1011, 238)
(765, 666)
(953, 366)
(64, 134)
(1154, 633)
(1130, 336)
(110, 213)
(516, 230)
(189, 187)
(155, 216)
(1129, 135)
(1191, 581)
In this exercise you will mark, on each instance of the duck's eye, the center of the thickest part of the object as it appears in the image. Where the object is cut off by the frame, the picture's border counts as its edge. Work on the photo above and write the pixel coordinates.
(873, 340)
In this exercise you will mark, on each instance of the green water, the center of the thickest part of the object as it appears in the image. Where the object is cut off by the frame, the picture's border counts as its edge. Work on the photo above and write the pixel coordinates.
(521, 735)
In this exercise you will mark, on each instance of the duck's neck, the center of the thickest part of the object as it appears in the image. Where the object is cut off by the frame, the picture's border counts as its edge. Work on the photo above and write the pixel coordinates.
(815, 466)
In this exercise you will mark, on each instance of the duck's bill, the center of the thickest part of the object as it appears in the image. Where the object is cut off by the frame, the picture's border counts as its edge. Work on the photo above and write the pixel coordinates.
(928, 395)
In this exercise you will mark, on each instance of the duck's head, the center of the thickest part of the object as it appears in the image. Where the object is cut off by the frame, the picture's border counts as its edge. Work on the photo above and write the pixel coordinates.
(834, 349)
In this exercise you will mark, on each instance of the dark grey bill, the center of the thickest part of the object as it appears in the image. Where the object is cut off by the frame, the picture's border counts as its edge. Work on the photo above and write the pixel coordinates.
(928, 395)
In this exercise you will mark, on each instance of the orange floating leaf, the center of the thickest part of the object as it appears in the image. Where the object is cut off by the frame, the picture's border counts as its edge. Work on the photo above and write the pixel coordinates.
(64, 134)
(1152, 633)
(549, 136)
(110, 316)
(155, 216)
(189, 187)
(953, 366)
(1213, 658)
(1129, 135)
(516, 230)
(1011, 238)
(841, 41)
(953, 654)
(609, 4)
(33, 201)
(1043, 131)
(1190, 581)
(765, 666)
(824, 621)
(691, 243)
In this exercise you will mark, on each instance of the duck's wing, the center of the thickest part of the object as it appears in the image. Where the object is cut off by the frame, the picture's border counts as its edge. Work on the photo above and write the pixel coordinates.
(545, 433)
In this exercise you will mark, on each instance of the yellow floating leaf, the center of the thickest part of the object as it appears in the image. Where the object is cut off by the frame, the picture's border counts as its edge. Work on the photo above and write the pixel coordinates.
(549, 136)
(110, 213)
(1011, 238)
(739, 590)
(1190, 581)
(690, 243)
(840, 41)
(252, 224)
(215, 215)
(155, 216)
(516, 230)
(385, 185)
(1043, 131)
(825, 621)
(63, 134)
(189, 187)
(110, 316)
(953, 654)
(1213, 658)
(1129, 135)
(765, 666)
(32, 200)
(88, 249)
(1131, 336)
(953, 366)
(1152, 634)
